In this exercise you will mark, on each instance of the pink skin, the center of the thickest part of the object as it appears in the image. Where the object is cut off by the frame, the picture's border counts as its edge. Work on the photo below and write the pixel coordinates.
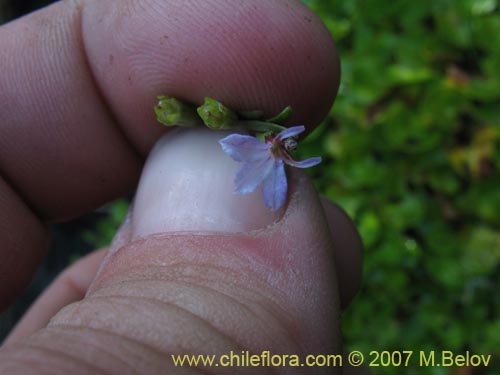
(77, 86)
(283, 273)
(79, 79)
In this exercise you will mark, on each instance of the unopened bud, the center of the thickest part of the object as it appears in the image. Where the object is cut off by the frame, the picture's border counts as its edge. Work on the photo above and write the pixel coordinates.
(216, 115)
(171, 112)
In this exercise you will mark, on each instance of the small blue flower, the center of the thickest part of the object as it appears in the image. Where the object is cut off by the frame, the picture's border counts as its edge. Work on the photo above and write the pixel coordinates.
(264, 163)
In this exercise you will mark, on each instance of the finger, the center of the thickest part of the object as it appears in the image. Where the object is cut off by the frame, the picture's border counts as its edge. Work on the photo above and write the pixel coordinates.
(73, 283)
(348, 251)
(201, 270)
(23, 243)
(79, 79)
(69, 287)
(72, 68)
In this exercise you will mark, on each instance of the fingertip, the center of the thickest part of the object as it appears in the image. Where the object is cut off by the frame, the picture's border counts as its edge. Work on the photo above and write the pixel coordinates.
(348, 250)
(70, 286)
(250, 55)
(187, 226)
(24, 241)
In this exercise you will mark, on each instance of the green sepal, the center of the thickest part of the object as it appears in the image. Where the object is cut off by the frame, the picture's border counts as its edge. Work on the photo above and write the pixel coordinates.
(216, 115)
(282, 117)
(173, 112)
(262, 127)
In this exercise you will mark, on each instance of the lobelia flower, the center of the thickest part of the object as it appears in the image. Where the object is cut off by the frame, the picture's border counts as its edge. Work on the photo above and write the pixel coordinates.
(264, 163)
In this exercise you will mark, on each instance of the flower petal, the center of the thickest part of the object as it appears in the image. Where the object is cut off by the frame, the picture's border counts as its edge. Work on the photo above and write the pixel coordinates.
(244, 147)
(311, 162)
(275, 186)
(251, 175)
(290, 132)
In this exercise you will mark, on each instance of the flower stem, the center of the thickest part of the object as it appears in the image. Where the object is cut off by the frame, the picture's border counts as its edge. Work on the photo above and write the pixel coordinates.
(282, 117)
(262, 126)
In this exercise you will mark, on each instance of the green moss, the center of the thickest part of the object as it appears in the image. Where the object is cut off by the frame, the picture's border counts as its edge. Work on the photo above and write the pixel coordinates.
(412, 154)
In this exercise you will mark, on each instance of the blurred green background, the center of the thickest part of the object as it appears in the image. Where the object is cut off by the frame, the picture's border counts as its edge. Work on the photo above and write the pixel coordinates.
(411, 152)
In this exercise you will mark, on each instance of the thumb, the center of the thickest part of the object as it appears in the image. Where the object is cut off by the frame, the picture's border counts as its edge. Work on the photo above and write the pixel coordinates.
(196, 269)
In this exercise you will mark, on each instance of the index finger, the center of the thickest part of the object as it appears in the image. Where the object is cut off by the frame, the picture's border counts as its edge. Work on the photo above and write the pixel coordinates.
(80, 78)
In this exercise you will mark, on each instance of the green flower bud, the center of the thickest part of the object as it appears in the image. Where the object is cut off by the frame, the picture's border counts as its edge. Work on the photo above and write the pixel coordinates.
(216, 115)
(171, 112)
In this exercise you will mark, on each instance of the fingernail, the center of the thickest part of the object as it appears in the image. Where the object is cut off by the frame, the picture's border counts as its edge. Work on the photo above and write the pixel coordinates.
(187, 186)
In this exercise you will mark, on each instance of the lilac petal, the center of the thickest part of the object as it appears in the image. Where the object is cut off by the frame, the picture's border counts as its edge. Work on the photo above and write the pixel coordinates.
(275, 186)
(290, 132)
(311, 162)
(251, 175)
(244, 147)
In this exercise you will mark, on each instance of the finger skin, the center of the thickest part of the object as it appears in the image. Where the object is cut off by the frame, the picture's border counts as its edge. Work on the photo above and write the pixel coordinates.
(79, 80)
(23, 243)
(69, 287)
(255, 54)
(348, 250)
(73, 283)
(272, 289)
(72, 68)
(59, 146)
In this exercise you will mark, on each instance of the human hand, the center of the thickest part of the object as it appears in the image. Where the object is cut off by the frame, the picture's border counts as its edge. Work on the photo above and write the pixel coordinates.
(200, 270)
